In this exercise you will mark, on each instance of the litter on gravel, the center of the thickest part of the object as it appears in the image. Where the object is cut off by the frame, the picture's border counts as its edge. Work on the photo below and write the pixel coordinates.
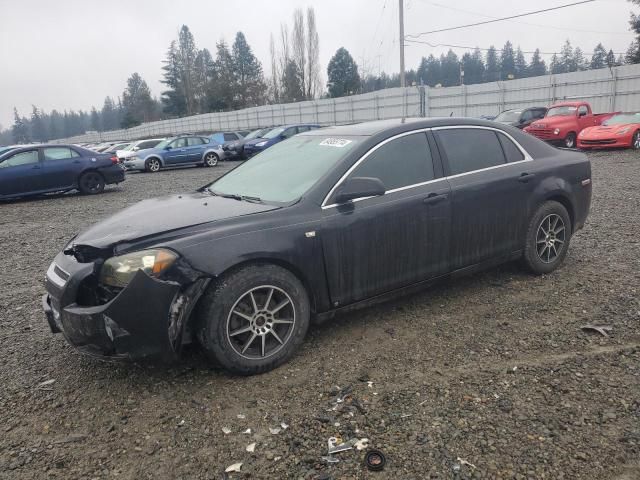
(251, 447)
(226, 430)
(601, 329)
(234, 468)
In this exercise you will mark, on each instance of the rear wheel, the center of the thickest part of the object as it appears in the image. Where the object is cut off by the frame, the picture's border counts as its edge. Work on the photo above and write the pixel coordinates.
(570, 140)
(91, 183)
(635, 141)
(548, 238)
(211, 159)
(253, 319)
(152, 165)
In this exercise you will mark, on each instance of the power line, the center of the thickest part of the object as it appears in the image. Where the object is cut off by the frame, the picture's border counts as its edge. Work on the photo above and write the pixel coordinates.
(465, 47)
(555, 27)
(500, 19)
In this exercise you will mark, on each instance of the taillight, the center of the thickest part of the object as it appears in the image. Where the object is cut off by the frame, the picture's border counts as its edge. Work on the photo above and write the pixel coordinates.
(114, 160)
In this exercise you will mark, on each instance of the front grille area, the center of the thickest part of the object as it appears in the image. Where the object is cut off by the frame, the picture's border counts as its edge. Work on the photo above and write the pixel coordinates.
(61, 273)
(608, 141)
(542, 133)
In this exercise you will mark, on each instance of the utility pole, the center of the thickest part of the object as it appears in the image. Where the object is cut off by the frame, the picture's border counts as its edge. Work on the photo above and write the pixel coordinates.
(401, 10)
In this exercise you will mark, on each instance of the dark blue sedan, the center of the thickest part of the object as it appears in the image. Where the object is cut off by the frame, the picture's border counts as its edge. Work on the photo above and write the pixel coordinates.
(36, 169)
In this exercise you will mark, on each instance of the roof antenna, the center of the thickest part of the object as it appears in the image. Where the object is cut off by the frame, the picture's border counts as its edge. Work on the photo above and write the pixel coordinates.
(451, 114)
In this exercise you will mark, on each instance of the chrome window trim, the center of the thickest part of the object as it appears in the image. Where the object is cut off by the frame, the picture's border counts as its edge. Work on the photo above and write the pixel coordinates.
(527, 158)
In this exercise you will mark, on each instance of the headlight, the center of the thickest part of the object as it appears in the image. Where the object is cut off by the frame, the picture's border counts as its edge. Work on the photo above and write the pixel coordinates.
(261, 144)
(118, 271)
(623, 131)
(556, 131)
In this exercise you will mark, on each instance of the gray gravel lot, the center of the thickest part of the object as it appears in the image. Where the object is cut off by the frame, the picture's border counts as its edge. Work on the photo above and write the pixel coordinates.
(492, 369)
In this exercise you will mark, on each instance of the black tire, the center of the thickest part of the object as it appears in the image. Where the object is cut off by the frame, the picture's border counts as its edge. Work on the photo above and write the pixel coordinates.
(91, 183)
(544, 253)
(570, 140)
(152, 165)
(211, 159)
(223, 333)
(635, 140)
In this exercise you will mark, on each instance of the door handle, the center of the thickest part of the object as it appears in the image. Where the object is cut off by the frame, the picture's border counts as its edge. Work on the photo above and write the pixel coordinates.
(525, 177)
(36, 167)
(434, 198)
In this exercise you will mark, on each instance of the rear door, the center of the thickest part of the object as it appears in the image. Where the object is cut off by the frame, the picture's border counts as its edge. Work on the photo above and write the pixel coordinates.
(195, 149)
(62, 166)
(21, 173)
(375, 245)
(489, 193)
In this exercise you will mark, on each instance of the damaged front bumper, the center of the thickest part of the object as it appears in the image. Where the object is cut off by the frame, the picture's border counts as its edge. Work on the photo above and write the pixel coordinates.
(146, 318)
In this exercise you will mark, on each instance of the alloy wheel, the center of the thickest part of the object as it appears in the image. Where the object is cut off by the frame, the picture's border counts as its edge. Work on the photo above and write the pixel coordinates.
(154, 165)
(636, 141)
(261, 322)
(550, 238)
(211, 159)
(91, 182)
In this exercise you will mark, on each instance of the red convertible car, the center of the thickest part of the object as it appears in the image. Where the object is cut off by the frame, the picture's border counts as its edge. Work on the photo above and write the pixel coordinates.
(622, 130)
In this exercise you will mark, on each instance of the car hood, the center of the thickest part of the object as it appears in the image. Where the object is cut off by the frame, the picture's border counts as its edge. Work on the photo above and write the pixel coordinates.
(255, 141)
(607, 130)
(163, 215)
(553, 122)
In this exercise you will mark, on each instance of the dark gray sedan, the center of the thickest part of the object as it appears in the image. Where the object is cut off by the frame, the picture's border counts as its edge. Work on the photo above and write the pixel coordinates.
(326, 221)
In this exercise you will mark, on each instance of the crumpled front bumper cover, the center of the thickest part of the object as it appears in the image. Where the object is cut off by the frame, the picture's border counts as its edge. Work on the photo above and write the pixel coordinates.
(145, 319)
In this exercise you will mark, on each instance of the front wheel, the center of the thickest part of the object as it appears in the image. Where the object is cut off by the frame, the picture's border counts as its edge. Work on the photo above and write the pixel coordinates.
(152, 165)
(570, 140)
(91, 183)
(548, 237)
(211, 159)
(635, 141)
(253, 319)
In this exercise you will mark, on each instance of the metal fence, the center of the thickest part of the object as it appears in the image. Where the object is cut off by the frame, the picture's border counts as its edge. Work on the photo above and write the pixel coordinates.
(606, 89)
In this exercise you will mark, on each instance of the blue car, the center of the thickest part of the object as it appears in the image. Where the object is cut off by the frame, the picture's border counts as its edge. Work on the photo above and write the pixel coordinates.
(36, 169)
(275, 136)
(176, 151)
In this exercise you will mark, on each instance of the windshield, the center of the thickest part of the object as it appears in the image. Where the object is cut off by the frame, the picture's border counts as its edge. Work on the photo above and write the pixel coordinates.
(509, 116)
(4, 150)
(164, 143)
(623, 119)
(566, 111)
(286, 171)
(256, 134)
(129, 147)
(274, 133)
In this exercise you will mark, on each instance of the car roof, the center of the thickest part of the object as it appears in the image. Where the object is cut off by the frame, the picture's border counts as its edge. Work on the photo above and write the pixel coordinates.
(397, 125)
(568, 104)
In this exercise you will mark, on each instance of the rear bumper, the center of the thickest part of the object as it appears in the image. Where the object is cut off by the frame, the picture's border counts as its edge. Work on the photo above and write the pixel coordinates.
(125, 327)
(130, 164)
(113, 174)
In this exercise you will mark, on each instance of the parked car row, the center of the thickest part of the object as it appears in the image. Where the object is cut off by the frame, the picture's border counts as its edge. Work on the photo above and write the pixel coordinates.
(573, 124)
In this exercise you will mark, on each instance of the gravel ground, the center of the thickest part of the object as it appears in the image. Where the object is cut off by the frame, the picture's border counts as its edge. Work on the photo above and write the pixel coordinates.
(492, 370)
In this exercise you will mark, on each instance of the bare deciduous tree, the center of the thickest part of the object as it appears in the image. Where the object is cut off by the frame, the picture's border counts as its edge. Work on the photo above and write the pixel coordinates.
(313, 55)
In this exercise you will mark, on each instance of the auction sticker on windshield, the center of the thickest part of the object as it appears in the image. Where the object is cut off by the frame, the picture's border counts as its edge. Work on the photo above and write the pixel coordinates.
(335, 142)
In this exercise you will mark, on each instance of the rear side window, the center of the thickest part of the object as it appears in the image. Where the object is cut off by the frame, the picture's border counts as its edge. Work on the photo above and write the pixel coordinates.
(303, 128)
(511, 151)
(193, 141)
(230, 137)
(179, 143)
(148, 144)
(58, 153)
(399, 163)
(469, 149)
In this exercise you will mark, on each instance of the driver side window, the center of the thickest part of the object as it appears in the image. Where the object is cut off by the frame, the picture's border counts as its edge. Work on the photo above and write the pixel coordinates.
(289, 132)
(582, 110)
(22, 158)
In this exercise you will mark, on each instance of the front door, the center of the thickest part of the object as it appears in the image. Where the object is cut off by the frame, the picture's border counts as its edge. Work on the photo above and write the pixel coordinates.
(375, 245)
(489, 210)
(21, 173)
(178, 152)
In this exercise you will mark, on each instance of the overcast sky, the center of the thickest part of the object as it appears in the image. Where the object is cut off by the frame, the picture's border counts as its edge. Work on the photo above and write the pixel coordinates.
(70, 54)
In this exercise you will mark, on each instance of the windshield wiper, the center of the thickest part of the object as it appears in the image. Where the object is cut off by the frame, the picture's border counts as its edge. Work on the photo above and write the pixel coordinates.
(235, 196)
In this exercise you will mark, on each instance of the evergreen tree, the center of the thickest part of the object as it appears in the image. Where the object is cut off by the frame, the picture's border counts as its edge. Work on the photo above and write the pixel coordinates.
(507, 62)
(251, 88)
(186, 56)
(225, 82)
(290, 83)
(611, 59)
(136, 102)
(343, 74)
(55, 125)
(633, 53)
(599, 57)
(567, 60)
(205, 80)
(473, 67)
(20, 130)
(555, 65)
(429, 72)
(38, 127)
(579, 61)
(95, 122)
(109, 117)
(450, 68)
(492, 71)
(537, 66)
(521, 70)
(173, 98)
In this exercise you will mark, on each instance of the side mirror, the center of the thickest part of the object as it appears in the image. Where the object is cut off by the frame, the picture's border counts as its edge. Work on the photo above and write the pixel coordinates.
(135, 149)
(283, 136)
(168, 147)
(359, 187)
(582, 114)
